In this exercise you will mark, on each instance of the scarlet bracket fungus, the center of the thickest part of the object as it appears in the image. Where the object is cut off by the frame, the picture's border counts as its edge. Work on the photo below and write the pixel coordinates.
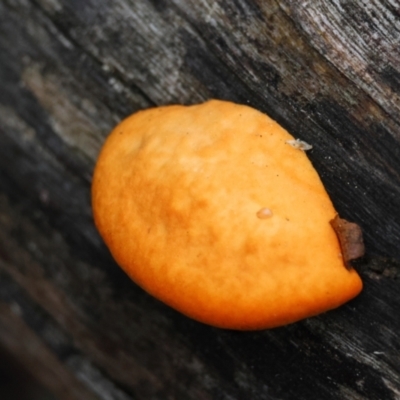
(175, 197)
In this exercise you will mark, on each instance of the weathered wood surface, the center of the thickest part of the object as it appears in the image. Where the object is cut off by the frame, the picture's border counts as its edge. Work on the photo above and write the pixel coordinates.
(329, 71)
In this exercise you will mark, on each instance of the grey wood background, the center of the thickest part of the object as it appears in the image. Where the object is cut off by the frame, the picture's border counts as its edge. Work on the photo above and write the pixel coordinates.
(328, 71)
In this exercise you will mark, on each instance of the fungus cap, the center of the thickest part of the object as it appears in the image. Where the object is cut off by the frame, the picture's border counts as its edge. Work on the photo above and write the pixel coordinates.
(210, 210)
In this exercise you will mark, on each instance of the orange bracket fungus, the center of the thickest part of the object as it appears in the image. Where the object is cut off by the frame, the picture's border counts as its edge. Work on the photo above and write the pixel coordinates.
(216, 210)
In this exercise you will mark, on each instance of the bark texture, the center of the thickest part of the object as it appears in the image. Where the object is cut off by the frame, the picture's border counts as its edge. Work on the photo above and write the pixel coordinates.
(328, 71)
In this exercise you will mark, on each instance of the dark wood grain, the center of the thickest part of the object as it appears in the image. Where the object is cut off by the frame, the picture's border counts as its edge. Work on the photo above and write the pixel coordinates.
(328, 71)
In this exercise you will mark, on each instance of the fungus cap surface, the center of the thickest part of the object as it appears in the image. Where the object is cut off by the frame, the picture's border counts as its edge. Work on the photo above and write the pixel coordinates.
(210, 210)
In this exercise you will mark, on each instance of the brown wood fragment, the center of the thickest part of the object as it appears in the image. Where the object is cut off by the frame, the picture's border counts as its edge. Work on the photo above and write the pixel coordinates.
(350, 238)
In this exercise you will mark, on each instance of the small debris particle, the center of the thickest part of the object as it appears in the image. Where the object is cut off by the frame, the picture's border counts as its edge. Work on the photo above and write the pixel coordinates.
(16, 309)
(264, 213)
(299, 144)
(44, 196)
(350, 239)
